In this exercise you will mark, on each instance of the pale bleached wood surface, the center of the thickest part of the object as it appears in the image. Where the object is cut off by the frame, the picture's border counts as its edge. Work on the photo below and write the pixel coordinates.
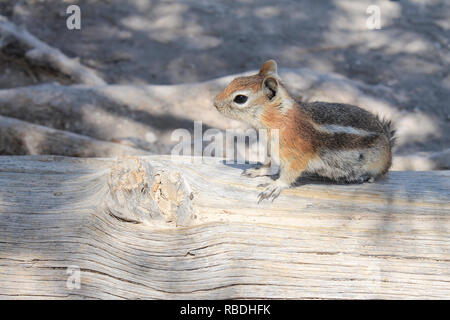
(117, 220)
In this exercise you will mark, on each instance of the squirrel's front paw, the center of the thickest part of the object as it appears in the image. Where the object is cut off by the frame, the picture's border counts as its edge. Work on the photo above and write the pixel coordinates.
(257, 172)
(273, 190)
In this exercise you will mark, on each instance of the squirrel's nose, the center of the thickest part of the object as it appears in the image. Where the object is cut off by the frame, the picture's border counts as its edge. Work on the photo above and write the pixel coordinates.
(216, 103)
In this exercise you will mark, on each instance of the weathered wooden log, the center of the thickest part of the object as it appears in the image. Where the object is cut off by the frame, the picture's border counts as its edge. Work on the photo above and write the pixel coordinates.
(167, 227)
(22, 138)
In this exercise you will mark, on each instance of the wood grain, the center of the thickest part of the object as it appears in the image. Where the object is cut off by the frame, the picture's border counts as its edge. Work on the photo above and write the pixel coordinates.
(160, 227)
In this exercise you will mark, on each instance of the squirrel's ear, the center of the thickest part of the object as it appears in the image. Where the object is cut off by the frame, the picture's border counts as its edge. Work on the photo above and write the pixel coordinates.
(270, 87)
(268, 68)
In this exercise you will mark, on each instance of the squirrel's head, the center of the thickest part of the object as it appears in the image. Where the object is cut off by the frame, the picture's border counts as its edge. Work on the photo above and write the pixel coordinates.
(248, 98)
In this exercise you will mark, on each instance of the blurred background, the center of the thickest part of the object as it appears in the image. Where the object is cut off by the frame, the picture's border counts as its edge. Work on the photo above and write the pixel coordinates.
(163, 61)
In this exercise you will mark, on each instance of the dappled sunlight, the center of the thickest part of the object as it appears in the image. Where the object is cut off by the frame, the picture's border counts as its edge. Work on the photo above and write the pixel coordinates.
(416, 127)
(134, 175)
(348, 14)
(169, 25)
(267, 12)
(396, 72)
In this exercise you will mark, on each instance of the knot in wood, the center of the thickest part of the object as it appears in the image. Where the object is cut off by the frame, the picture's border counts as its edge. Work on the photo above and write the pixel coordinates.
(141, 193)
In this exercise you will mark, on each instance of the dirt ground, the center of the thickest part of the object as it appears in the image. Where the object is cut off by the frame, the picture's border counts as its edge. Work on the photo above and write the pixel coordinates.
(171, 42)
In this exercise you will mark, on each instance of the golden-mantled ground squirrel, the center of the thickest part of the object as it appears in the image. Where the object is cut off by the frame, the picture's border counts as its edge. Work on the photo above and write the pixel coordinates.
(337, 141)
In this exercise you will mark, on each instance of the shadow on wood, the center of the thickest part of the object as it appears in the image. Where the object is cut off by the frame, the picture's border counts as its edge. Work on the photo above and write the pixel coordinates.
(158, 227)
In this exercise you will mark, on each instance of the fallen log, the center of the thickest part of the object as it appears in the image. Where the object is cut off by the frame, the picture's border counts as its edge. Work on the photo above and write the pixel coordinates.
(22, 138)
(161, 227)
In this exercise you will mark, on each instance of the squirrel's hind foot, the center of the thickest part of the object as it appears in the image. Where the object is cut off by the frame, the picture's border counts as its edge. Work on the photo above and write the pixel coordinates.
(272, 190)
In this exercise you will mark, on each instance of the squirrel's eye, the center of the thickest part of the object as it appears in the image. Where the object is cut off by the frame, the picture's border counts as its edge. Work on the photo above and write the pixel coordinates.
(240, 99)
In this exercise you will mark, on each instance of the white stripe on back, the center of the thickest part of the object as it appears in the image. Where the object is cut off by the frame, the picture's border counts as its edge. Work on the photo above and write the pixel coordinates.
(333, 128)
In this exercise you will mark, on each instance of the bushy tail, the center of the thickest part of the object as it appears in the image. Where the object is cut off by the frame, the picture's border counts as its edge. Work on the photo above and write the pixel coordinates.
(389, 131)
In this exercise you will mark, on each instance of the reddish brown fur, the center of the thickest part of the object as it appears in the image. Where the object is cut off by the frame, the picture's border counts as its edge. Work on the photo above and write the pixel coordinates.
(267, 67)
(303, 132)
(243, 83)
(298, 142)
